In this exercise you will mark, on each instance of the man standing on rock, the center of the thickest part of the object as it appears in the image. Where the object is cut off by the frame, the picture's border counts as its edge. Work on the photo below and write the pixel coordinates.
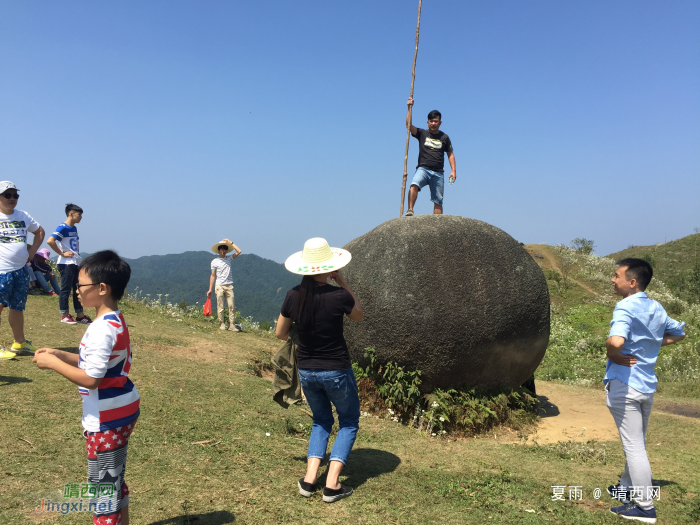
(432, 145)
(638, 330)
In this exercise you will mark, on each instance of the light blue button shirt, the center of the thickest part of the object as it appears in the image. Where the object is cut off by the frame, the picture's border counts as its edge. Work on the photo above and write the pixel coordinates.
(643, 323)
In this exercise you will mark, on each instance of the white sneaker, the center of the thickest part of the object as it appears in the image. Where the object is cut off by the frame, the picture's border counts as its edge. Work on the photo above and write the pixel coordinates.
(222, 326)
(234, 328)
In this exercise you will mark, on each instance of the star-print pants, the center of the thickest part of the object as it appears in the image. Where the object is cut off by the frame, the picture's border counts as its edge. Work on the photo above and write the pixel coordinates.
(106, 452)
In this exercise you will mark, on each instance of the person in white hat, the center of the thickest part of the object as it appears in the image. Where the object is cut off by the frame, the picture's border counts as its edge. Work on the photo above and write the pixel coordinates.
(221, 275)
(14, 254)
(325, 372)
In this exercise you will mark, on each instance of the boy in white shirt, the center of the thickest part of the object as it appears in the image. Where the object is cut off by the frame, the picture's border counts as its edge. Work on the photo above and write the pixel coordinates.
(111, 403)
(14, 254)
(221, 274)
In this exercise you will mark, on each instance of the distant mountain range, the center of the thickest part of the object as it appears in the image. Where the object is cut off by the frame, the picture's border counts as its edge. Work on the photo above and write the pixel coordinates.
(260, 285)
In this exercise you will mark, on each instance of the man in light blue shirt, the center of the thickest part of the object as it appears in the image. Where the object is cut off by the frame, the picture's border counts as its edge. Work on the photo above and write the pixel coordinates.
(638, 330)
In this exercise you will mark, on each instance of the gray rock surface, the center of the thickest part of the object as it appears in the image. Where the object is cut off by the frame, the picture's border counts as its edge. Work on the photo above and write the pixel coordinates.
(456, 298)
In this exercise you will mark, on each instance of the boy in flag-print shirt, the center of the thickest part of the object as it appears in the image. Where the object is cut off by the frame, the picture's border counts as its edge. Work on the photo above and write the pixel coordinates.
(100, 369)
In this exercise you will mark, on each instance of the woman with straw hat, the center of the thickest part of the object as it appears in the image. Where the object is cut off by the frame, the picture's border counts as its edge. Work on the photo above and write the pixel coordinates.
(318, 308)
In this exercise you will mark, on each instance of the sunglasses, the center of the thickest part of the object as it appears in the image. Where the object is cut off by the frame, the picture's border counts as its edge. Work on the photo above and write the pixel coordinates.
(11, 195)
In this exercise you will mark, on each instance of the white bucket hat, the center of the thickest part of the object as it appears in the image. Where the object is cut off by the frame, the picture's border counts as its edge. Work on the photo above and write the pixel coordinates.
(317, 257)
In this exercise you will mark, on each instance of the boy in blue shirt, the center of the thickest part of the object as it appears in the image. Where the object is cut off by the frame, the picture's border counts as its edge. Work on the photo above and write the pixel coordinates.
(638, 330)
(64, 241)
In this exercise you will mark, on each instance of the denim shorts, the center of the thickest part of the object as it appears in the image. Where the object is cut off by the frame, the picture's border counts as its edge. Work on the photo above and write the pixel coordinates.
(13, 289)
(339, 388)
(436, 181)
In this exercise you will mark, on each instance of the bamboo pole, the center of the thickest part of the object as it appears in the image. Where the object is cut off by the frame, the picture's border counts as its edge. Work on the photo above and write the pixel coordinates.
(410, 114)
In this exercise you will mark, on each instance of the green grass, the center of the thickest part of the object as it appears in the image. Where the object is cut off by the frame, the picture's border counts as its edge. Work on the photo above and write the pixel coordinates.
(673, 256)
(673, 263)
(581, 314)
(198, 392)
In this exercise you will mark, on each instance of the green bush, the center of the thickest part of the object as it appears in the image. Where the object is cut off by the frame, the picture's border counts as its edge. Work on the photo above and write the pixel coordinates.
(552, 275)
(582, 245)
(472, 411)
(463, 410)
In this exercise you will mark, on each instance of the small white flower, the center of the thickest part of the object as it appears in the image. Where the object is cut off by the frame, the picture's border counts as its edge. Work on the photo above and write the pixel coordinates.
(432, 434)
(442, 419)
(267, 434)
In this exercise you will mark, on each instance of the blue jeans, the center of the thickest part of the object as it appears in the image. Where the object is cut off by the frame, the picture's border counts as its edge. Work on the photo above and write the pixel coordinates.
(41, 279)
(434, 179)
(69, 281)
(321, 388)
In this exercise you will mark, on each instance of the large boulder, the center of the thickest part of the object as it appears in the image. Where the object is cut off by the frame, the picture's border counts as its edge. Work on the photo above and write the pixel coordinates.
(456, 298)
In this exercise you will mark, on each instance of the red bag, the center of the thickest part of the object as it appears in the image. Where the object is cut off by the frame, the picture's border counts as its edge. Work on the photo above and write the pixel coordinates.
(207, 307)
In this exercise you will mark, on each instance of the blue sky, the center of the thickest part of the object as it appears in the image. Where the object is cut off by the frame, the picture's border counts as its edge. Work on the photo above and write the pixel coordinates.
(175, 123)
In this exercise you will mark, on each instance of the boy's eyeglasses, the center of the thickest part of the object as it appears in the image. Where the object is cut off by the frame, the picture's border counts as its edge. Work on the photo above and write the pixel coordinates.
(9, 196)
(88, 284)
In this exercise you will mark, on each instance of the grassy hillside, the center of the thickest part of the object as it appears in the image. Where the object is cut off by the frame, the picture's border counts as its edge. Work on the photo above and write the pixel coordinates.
(260, 285)
(582, 304)
(212, 448)
(677, 263)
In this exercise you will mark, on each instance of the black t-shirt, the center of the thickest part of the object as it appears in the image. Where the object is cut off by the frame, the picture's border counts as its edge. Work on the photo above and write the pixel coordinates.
(324, 346)
(431, 149)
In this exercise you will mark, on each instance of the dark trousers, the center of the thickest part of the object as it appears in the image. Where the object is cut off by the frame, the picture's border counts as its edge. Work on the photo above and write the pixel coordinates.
(69, 281)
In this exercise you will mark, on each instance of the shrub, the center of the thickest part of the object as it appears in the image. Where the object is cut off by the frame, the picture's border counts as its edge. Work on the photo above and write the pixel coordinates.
(393, 387)
(650, 259)
(471, 411)
(582, 245)
(566, 259)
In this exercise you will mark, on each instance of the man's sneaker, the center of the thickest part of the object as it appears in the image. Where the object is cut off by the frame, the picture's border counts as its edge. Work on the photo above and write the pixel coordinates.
(68, 319)
(83, 320)
(6, 354)
(330, 495)
(222, 326)
(52, 293)
(234, 328)
(409, 213)
(307, 489)
(35, 291)
(618, 493)
(634, 512)
(25, 348)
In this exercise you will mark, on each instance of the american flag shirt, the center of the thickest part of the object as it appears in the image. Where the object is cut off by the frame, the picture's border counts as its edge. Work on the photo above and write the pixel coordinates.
(105, 352)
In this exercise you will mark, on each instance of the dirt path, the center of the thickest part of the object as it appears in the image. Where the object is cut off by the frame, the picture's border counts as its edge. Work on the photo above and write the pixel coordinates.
(572, 413)
(550, 262)
(579, 414)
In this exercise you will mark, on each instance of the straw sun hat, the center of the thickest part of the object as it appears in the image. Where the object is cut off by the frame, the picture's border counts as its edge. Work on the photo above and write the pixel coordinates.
(215, 248)
(317, 257)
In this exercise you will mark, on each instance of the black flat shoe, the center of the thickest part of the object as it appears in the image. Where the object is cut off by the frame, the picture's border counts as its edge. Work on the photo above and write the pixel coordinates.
(330, 495)
(307, 489)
